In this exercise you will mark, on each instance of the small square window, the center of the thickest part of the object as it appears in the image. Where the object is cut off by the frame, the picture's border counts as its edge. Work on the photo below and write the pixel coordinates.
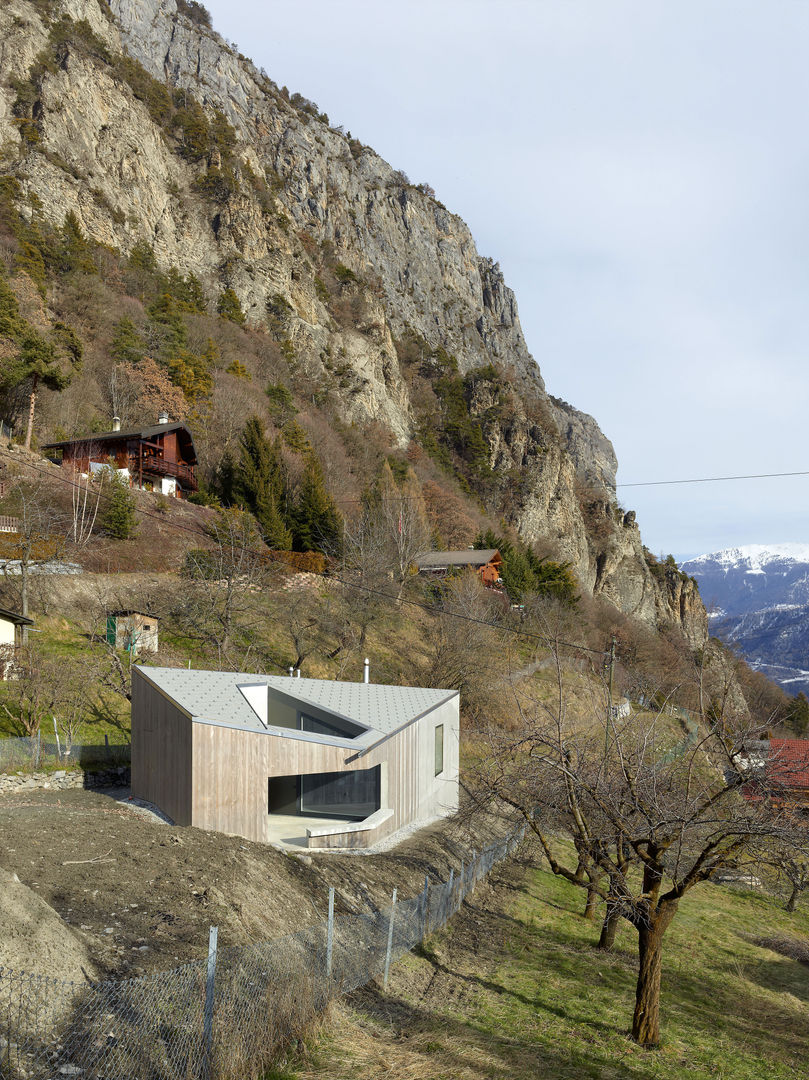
(439, 749)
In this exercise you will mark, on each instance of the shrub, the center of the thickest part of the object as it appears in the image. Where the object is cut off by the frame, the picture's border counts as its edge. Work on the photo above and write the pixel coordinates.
(119, 519)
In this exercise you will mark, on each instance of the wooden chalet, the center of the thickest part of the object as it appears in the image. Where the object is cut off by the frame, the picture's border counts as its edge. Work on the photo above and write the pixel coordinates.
(160, 458)
(486, 561)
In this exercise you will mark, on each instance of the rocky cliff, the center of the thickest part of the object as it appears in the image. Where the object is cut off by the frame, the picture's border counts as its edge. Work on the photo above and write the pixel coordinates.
(327, 248)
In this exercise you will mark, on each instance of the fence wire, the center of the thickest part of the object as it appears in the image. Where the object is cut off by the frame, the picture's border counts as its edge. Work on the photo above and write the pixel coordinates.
(204, 1022)
(26, 753)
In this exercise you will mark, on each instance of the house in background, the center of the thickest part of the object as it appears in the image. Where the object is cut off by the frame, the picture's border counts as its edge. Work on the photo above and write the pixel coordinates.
(12, 627)
(487, 562)
(310, 761)
(160, 458)
(133, 631)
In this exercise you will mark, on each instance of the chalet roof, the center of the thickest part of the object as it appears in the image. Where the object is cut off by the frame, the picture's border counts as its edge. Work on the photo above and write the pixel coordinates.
(118, 436)
(215, 697)
(12, 616)
(788, 762)
(467, 557)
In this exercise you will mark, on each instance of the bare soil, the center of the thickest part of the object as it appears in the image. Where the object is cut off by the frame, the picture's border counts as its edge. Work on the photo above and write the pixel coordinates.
(140, 895)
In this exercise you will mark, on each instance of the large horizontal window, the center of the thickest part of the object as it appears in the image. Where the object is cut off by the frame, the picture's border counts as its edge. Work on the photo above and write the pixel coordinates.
(344, 729)
(353, 795)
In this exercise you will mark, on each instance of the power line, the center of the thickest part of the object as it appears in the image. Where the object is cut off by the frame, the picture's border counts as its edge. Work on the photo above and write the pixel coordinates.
(429, 608)
(713, 479)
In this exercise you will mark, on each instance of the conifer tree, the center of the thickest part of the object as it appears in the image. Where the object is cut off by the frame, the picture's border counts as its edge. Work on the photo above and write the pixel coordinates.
(258, 483)
(118, 519)
(316, 522)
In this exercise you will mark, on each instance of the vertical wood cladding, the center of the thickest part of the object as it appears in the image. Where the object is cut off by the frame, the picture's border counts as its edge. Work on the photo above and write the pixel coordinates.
(161, 751)
(215, 777)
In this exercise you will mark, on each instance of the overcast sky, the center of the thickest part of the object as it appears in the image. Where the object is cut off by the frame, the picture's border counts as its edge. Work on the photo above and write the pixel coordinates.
(640, 170)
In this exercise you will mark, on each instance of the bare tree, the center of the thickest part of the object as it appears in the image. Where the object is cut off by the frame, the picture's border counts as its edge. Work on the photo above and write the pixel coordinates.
(219, 603)
(650, 815)
(40, 538)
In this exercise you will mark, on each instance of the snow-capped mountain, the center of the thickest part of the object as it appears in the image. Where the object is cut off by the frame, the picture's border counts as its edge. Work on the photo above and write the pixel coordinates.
(758, 597)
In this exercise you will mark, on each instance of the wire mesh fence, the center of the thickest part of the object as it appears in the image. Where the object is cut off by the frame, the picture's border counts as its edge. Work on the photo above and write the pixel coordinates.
(32, 753)
(222, 1017)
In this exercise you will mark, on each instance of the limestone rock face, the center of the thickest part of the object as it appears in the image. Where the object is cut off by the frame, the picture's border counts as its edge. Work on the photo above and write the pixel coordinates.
(409, 266)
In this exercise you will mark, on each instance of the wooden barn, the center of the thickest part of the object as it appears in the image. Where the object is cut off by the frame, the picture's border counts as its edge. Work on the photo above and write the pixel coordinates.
(487, 562)
(159, 458)
(308, 761)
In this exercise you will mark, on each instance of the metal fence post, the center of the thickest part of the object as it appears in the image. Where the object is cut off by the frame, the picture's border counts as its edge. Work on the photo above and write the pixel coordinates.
(448, 906)
(207, 1030)
(330, 933)
(390, 940)
(426, 920)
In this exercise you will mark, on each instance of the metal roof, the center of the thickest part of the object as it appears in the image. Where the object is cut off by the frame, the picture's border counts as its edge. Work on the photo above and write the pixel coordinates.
(133, 433)
(457, 558)
(214, 696)
(18, 620)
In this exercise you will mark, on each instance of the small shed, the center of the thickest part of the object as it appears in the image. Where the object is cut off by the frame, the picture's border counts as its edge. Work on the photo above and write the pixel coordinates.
(12, 627)
(133, 631)
(486, 561)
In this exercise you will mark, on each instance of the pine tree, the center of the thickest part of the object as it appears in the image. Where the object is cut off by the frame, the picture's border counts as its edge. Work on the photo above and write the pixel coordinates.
(258, 483)
(228, 307)
(316, 522)
(119, 519)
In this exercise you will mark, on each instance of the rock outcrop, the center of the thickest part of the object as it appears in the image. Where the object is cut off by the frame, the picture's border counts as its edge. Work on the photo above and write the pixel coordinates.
(292, 193)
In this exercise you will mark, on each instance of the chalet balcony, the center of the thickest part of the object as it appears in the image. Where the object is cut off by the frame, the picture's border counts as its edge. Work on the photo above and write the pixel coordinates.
(153, 465)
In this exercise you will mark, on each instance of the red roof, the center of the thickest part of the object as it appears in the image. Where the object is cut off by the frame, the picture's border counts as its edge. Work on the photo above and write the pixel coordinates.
(788, 762)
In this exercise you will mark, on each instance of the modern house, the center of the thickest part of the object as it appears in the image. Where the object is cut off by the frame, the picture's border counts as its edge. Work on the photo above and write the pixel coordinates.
(133, 631)
(160, 458)
(335, 764)
(11, 638)
(487, 562)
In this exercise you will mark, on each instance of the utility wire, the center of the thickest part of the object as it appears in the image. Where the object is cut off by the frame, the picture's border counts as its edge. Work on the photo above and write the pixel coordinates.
(713, 479)
(429, 608)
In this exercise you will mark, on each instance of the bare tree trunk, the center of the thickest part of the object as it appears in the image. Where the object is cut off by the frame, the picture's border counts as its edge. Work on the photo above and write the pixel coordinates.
(609, 927)
(793, 899)
(31, 407)
(591, 902)
(646, 1021)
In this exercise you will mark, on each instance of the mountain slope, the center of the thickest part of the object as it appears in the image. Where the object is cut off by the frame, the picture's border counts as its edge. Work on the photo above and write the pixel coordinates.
(761, 599)
(143, 127)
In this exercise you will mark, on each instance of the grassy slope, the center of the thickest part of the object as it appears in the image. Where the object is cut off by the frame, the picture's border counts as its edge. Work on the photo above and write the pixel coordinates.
(515, 989)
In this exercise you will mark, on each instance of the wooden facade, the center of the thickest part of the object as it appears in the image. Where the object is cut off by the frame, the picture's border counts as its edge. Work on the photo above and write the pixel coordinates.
(487, 563)
(159, 458)
(214, 776)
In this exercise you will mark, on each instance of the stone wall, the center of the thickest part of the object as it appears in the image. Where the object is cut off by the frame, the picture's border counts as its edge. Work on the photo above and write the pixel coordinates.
(63, 779)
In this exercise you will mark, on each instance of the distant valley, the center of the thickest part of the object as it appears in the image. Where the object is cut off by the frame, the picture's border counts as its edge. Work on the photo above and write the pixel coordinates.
(758, 599)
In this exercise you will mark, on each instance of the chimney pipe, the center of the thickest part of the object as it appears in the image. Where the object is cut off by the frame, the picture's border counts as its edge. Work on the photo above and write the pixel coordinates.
(366, 674)
(163, 418)
(297, 673)
(116, 423)
(291, 669)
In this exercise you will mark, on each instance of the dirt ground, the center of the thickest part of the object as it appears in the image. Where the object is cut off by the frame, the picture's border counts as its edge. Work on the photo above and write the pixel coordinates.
(139, 895)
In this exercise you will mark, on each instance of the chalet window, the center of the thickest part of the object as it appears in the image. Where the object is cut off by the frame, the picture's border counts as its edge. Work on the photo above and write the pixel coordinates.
(439, 749)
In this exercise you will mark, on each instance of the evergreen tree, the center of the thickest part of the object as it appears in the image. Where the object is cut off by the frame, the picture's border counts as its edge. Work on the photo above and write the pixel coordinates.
(316, 522)
(228, 307)
(127, 346)
(118, 519)
(258, 483)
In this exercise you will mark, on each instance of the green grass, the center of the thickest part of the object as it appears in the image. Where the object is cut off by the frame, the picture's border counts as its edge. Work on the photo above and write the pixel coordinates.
(520, 992)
